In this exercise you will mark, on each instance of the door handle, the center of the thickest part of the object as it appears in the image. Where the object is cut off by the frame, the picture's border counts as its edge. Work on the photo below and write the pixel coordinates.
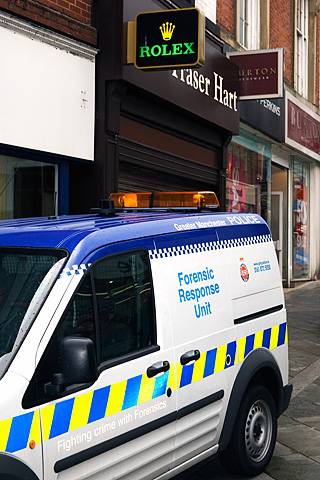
(189, 357)
(159, 367)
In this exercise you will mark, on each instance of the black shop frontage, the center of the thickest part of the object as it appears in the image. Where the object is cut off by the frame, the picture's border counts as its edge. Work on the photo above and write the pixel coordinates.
(157, 130)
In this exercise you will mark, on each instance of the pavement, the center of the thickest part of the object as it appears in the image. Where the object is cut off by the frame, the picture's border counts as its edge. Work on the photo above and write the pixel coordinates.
(297, 453)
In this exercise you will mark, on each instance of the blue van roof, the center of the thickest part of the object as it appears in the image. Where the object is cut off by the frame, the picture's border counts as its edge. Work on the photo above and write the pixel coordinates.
(89, 232)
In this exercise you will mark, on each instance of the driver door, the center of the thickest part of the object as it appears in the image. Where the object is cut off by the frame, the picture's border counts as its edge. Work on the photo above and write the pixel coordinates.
(122, 424)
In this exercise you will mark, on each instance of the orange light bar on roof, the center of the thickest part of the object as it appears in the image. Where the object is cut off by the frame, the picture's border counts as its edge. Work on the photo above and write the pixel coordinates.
(165, 200)
(131, 200)
(185, 199)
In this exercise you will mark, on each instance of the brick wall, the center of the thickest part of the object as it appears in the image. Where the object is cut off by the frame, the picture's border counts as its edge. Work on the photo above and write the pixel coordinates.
(69, 17)
(281, 33)
(226, 17)
(78, 9)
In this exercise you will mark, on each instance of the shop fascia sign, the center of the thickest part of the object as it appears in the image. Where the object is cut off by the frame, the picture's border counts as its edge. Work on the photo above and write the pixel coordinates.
(302, 127)
(212, 87)
(260, 73)
(166, 39)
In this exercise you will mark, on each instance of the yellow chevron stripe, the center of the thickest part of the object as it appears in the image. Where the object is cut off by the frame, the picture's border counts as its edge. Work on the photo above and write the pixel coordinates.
(258, 339)
(221, 358)
(198, 369)
(241, 348)
(146, 389)
(81, 410)
(5, 426)
(172, 381)
(178, 368)
(46, 415)
(116, 397)
(286, 337)
(274, 337)
(35, 430)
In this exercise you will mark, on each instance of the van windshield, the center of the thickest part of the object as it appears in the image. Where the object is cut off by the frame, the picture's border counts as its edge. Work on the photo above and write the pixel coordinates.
(26, 277)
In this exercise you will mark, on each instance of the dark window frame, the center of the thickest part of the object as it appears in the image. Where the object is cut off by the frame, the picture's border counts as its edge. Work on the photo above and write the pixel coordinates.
(28, 402)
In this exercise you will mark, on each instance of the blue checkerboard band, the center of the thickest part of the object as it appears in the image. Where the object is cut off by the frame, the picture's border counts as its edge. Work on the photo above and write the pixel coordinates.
(75, 270)
(208, 246)
(73, 413)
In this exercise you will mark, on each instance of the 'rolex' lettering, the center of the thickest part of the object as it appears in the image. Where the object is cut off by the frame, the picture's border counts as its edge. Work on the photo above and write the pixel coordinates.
(165, 50)
(177, 49)
(156, 50)
(145, 51)
(189, 49)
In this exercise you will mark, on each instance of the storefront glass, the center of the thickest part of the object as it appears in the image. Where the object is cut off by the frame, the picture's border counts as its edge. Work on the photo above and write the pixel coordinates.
(248, 186)
(27, 188)
(279, 216)
(300, 220)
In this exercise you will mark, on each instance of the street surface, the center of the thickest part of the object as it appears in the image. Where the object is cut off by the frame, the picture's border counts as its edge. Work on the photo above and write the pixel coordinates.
(297, 454)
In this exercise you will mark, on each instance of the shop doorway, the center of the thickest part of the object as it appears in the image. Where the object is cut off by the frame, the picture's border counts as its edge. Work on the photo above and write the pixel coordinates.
(279, 217)
(277, 225)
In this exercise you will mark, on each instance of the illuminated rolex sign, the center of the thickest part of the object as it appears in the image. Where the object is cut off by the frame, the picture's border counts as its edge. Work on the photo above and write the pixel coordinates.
(169, 39)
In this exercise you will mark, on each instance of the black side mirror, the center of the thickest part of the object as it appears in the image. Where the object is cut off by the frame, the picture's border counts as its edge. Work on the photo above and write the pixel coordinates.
(78, 360)
(78, 366)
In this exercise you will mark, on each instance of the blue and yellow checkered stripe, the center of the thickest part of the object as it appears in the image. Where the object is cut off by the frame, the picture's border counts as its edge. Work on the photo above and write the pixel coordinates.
(73, 413)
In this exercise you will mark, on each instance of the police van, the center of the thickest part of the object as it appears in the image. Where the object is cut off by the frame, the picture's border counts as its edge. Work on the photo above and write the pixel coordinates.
(136, 342)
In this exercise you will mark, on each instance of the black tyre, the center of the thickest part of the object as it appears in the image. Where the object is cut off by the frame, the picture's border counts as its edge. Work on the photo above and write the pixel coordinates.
(254, 434)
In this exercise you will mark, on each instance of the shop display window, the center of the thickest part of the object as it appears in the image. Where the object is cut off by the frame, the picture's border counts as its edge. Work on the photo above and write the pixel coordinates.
(27, 188)
(248, 184)
(300, 220)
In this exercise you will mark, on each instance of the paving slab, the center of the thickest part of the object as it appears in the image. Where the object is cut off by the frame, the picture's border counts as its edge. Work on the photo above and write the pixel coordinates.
(293, 467)
(305, 379)
(313, 422)
(299, 359)
(299, 437)
(282, 450)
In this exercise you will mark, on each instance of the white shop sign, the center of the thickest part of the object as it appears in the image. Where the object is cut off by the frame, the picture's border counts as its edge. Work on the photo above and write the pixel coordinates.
(47, 93)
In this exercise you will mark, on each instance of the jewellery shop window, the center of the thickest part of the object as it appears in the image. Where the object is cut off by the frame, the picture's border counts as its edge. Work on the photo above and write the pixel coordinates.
(248, 177)
(300, 220)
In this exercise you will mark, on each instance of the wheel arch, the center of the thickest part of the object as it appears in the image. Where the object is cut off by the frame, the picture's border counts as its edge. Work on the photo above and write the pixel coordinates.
(11, 468)
(259, 367)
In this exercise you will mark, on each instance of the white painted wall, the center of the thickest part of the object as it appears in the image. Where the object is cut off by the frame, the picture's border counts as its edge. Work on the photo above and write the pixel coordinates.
(209, 8)
(46, 96)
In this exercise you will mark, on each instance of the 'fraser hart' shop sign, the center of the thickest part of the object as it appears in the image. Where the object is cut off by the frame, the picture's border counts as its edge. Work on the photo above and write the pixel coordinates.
(212, 87)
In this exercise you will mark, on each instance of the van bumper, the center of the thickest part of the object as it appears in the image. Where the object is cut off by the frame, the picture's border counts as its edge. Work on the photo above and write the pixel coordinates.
(286, 396)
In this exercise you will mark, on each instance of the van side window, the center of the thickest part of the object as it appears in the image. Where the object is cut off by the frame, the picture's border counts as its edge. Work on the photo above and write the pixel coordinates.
(125, 304)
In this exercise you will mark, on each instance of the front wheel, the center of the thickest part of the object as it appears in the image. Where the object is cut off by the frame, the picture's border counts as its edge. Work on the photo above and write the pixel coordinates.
(254, 433)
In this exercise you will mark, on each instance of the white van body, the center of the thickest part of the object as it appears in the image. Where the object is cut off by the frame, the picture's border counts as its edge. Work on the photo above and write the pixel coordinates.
(196, 321)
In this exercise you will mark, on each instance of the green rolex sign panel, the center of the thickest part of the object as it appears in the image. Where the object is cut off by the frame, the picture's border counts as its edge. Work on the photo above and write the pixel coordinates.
(169, 39)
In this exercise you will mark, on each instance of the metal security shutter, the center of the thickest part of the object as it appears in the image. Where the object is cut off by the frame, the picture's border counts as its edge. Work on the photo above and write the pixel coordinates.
(144, 168)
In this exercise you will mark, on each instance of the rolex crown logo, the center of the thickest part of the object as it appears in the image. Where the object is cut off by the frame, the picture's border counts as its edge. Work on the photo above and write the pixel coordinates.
(167, 30)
